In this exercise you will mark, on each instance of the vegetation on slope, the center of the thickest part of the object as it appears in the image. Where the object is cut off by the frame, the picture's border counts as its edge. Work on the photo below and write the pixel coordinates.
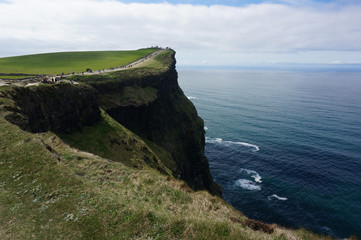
(156, 66)
(110, 140)
(17, 77)
(88, 184)
(66, 62)
(51, 190)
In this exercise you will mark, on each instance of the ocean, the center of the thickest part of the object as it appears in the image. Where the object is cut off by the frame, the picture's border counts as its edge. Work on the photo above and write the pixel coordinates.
(285, 145)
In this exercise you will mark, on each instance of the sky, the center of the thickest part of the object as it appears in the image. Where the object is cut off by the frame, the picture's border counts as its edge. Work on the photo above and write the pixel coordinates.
(202, 32)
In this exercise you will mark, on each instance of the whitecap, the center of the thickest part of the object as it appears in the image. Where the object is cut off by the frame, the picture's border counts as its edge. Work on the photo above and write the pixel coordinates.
(277, 197)
(256, 148)
(191, 97)
(205, 128)
(254, 174)
(214, 140)
(228, 143)
(247, 184)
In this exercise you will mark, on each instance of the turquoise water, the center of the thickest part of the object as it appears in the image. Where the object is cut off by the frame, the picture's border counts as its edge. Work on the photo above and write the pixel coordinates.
(284, 145)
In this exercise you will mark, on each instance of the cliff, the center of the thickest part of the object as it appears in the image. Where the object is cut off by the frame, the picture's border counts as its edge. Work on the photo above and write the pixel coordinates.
(151, 104)
(70, 170)
(58, 108)
(148, 101)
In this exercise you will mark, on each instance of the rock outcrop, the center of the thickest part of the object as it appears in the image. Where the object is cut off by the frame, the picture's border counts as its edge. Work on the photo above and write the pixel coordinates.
(58, 108)
(147, 100)
(162, 115)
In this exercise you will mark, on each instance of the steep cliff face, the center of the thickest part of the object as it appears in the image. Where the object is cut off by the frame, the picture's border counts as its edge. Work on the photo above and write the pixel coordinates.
(92, 178)
(58, 108)
(163, 116)
(147, 100)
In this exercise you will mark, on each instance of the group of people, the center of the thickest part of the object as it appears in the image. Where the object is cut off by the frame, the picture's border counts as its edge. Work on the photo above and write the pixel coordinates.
(54, 80)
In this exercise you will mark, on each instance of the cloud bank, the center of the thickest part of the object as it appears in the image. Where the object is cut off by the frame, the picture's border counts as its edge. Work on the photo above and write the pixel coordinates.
(218, 34)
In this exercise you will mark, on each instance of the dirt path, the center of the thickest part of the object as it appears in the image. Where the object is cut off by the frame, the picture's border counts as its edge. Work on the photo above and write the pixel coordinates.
(130, 65)
(3, 83)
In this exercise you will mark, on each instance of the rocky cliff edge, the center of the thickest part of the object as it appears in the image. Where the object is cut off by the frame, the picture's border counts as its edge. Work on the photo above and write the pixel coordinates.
(146, 100)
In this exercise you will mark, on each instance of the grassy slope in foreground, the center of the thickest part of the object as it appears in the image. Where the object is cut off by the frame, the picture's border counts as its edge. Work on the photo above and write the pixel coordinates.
(55, 63)
(69, 194)
(50, 190)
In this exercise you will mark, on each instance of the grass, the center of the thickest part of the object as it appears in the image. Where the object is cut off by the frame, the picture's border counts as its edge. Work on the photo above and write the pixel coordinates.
(111, 140)
(154, 67)
(16, 77)
(5, 87)
(100, 183)
(160, 62)
(66, 62)
(69, 193)
(82, 196)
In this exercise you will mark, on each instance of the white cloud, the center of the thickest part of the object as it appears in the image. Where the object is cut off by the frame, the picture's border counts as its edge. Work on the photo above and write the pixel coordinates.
(250, 33)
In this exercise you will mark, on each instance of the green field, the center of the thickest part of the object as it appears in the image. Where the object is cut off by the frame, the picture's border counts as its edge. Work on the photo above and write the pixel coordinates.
(66, 62)
(16, 77)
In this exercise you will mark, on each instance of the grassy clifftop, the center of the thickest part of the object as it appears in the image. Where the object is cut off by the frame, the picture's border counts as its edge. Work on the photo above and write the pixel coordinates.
(155, 67)
(66, 62)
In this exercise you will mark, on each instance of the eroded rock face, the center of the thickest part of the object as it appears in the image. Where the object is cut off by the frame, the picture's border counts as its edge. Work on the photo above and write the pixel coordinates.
(152, 105)
(170, 121)
(58, 108)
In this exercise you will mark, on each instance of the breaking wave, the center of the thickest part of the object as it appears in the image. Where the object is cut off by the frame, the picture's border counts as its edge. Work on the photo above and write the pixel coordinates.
(229, 143)
(191, 97)
(248, 185)
(277, 197)
(254, 174)
(205, 128)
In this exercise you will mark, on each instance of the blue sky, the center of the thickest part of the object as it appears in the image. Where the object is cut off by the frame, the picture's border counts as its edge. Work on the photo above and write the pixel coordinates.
(202, 32)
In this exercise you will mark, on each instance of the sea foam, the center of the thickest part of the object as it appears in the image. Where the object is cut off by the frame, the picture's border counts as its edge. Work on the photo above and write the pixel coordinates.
(248, 184)
(205, 128)
(191, 97)
(277, 197)
(254, 174)
(229, 143)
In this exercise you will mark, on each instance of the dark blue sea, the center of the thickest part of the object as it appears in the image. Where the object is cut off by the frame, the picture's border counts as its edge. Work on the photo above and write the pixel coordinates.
(284, 145)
